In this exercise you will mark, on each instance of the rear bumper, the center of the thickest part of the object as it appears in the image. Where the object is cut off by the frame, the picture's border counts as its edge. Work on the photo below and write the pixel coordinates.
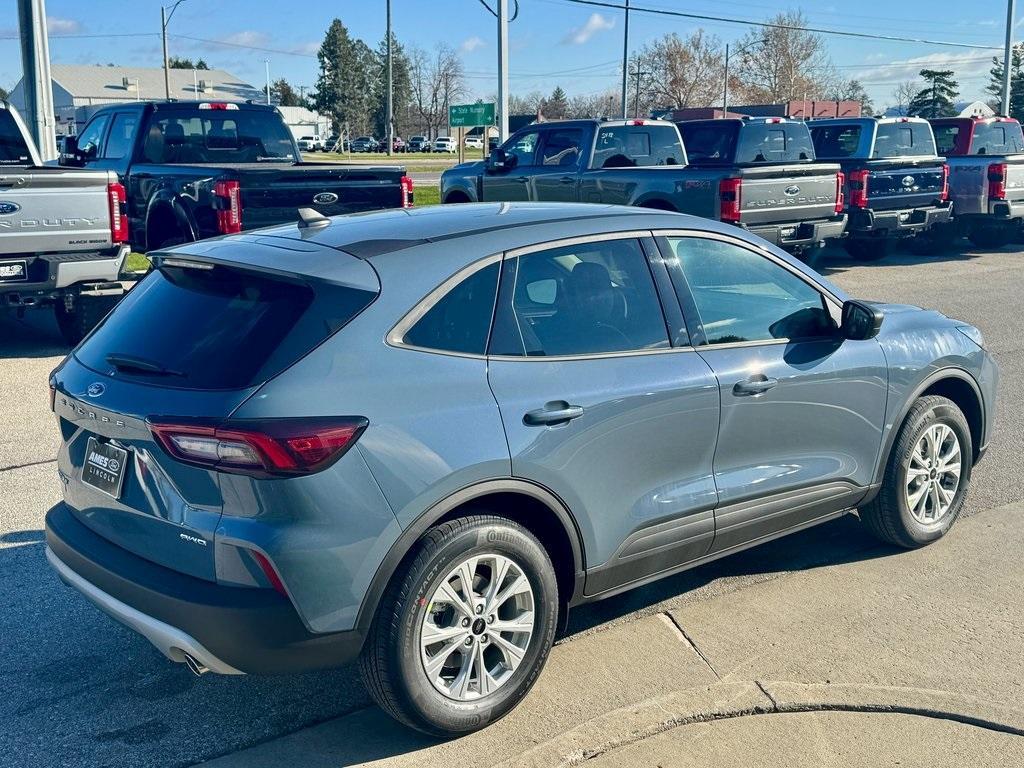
(230, 630)
(798, 234)
(52, 275)
(1006, 209)
(865, 222)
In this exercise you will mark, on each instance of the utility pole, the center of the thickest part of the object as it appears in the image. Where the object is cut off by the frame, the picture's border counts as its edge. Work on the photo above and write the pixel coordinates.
(725, 88)
(636, 92)
(625, 59)
(502, 70)
(266, 63)
(389, 116)
(1007, 56)
(167, 65)
(35, 59)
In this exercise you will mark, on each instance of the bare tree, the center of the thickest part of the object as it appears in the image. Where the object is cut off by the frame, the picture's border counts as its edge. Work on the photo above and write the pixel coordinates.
(526, 104)
(904, 93)
(607, 104)
(437, 82)
(679, 72)
(781, 63)
(851, 90)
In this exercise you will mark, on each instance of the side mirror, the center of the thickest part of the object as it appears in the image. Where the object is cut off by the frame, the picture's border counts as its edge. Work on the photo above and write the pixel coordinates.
(68, 151)
(498, 161)
(860, 321)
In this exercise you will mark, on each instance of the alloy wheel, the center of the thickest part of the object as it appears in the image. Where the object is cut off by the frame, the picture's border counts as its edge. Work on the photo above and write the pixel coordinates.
(933, 474)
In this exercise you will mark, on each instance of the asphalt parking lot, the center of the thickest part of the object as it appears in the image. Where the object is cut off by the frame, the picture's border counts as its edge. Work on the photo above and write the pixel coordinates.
(78, 689)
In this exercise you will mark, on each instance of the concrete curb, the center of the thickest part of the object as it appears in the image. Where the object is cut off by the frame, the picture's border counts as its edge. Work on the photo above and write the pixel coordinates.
(622, 727)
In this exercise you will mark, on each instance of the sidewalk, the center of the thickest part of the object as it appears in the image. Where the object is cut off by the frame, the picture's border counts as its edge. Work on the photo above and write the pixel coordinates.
(908, 658)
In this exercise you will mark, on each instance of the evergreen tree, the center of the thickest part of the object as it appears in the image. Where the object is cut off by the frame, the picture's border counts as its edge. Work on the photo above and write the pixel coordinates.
(401, 99)
(995, 86)
(936, 98)
(556, 106)
(348, 75)
(282, 94)
(178, 62)
(3, 94)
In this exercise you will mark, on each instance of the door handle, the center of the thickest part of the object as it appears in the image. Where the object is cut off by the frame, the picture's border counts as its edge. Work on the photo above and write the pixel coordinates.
(755, 385)
(567, 180)
(521, 179)
(552, 414)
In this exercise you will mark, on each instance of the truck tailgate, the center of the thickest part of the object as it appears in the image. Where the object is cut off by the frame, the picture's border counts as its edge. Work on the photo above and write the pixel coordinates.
(787, 193)
(54, 209)
(274, 195)
(969, 183)
(902, 184)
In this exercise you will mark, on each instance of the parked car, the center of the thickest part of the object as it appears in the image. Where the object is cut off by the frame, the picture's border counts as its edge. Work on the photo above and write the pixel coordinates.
(198, 169)
(445, 144)
(398, 144)
(311, 143)
(474, 142)
(331, 143)
(643, 162)
(419, 439)
(897, 186)
(63, 234)
(986, 176)
(365, 144)
(419, 144)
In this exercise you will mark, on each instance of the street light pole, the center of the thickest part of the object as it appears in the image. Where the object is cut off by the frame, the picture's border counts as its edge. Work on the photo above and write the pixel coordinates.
(625, 59)
(167, 66)
(502, 70)
(37, 84)
(1008, 56)
(389, 117)
(725, 90)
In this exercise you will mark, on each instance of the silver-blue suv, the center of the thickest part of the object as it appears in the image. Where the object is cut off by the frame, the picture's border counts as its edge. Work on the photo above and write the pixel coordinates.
(417, 438)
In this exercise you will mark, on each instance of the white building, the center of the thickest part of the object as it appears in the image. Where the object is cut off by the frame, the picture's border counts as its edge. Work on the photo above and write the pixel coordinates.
(305, 122)
(79, 89)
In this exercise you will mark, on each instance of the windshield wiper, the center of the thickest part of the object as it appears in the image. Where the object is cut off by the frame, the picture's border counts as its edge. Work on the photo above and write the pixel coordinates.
(128, 363)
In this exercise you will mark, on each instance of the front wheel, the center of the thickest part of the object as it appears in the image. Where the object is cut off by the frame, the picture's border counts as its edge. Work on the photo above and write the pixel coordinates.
(465, 627)
(926, 477)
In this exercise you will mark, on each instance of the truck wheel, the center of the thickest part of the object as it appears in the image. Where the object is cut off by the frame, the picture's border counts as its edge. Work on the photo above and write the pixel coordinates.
(868, 250)
(87, 311)
(990, 237)
(928, 243)
(926, 477)
(465, 627)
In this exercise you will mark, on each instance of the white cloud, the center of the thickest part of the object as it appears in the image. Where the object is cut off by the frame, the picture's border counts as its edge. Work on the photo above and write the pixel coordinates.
(307, 49)
(596, 23)
(470, 44)
(56, 26)
(964, 64)
(246, 37)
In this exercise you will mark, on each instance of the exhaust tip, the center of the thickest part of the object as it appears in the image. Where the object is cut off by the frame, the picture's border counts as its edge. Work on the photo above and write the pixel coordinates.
(193, 664)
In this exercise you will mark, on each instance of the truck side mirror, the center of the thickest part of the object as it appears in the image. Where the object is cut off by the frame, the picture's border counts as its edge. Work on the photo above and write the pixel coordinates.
(68, 151)
(860, 321)
(499, 162)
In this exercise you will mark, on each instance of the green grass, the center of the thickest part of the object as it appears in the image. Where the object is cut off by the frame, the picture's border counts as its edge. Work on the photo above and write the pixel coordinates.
(427, 196)
(136, 262)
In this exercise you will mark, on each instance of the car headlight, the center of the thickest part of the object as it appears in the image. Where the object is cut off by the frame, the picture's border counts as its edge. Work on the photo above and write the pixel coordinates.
(973, 334)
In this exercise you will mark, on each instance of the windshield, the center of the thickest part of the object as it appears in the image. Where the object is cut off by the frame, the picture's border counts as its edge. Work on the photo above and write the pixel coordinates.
(218, 136)
(13, 149)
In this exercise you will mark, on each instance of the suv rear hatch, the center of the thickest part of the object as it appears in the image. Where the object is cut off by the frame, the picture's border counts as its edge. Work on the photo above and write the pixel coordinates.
(191, 342)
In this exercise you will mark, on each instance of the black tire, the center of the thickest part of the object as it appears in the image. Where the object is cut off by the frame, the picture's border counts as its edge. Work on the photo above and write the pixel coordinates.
(991, 237)
(88, 311)
(868, 250)
(888, 515)
(391, 665)
(929, 243)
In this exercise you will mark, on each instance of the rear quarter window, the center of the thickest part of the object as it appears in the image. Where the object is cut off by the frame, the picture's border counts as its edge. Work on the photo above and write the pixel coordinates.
(218, 329)
(459, 321)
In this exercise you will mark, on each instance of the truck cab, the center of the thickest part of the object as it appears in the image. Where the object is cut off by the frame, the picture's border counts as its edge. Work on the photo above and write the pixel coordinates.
(896, 183)
(986, 176)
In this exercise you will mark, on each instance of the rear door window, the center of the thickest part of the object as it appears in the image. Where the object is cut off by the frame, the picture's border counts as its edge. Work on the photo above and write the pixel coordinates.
(637, 146)
(13, 148)
(460, 321)
(562, 147)
(217, 328)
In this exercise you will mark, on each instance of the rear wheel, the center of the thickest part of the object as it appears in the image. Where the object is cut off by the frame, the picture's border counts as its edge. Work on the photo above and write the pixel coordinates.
(85, 313)
(465, 627)
(991, 237)
(873, 249)
(926, 477)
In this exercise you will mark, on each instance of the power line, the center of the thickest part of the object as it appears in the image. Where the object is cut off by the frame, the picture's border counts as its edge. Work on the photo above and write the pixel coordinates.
(247, 47)
(774, 25)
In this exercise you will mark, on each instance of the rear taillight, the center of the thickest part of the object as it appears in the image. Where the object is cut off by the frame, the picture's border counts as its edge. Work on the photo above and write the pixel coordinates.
(840, 199)
(269, 571)
(407, 194)
(729, 197)
(229, 212)
(859, 188)
(264, 448)
(944, 194)
(997, 181)
(117, 200)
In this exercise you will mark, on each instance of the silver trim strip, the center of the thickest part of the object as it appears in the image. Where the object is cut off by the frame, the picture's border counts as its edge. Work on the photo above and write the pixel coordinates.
(170, 641)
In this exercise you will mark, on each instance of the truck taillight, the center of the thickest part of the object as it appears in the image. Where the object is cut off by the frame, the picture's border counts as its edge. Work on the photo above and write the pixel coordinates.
(117, 199)
(859, 188)
(407, 194)
(267, 448)
(840, 199)
(229, 214)
(729, 197)
(997, 181)
(944, 194)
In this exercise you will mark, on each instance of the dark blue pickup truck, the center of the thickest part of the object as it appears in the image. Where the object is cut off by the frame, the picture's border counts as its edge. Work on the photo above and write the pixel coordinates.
(197, 169)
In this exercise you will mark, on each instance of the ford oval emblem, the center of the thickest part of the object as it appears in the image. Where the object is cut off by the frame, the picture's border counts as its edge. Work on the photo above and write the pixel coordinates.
(325, 198)
(907, 181)
(7, 208)
(793, 190)
(95, 389)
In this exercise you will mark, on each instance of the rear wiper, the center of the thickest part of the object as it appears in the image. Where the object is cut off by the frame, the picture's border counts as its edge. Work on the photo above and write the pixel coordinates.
(132, 363)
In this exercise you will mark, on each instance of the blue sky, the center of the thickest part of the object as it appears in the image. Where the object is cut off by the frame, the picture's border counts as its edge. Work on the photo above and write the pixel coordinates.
(553, 42)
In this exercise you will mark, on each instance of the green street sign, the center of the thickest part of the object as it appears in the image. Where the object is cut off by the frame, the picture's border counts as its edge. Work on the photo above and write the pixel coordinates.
(470, 115)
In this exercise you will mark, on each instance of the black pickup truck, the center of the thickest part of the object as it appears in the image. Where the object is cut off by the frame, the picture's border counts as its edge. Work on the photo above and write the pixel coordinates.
(897, 184)
(197, 169)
